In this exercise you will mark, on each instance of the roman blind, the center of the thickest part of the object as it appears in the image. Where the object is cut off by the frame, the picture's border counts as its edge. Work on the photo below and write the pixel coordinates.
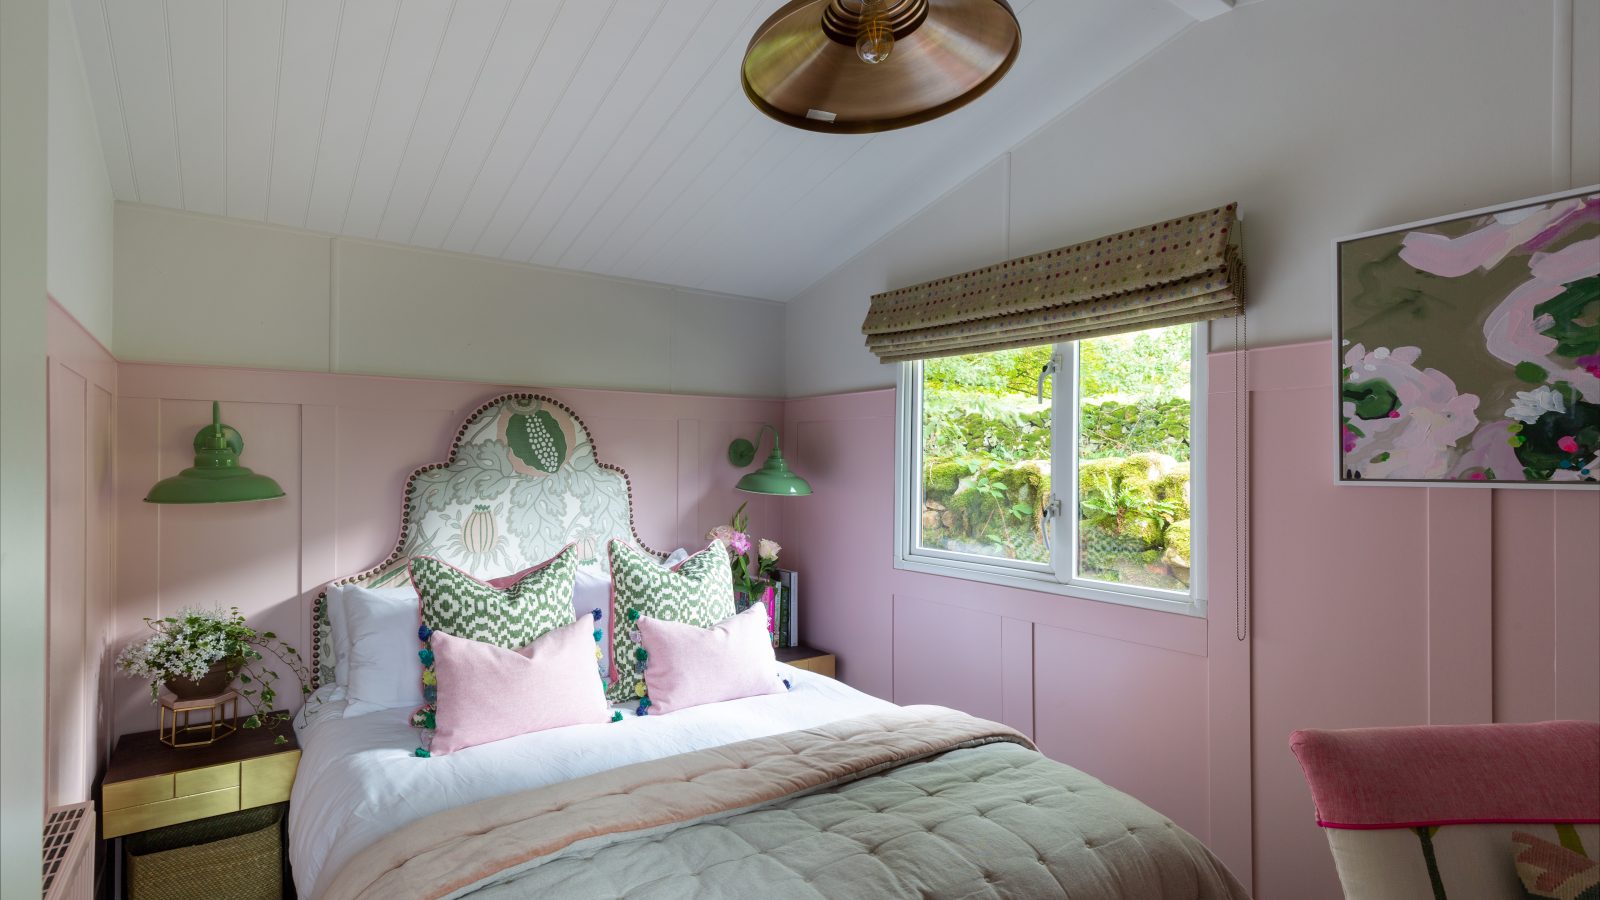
(1186, 269)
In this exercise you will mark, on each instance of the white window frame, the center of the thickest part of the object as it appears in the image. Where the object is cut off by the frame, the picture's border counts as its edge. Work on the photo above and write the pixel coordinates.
(1059, 576)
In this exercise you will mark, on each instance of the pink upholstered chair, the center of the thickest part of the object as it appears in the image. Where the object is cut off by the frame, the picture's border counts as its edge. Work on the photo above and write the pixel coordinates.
(1429, 811)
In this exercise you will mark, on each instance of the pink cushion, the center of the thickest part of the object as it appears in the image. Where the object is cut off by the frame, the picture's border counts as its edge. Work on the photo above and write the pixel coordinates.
(689, 666)
(488, 693)
(1547, 772)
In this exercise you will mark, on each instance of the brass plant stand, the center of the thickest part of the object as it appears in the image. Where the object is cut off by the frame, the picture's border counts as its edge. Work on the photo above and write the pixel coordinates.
(222, 716)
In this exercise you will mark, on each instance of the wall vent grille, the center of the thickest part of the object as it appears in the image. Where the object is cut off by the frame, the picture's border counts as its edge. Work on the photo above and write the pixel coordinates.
(68, 854)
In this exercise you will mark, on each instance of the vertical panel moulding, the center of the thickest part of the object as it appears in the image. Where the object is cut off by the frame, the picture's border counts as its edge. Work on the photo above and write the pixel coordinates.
(691, 476)
(1016, 678)
(1230, 748)
(138, 545)
(1577, 604)
(1561, 75)
(319, 508)
(104, 547)
(1460, 606)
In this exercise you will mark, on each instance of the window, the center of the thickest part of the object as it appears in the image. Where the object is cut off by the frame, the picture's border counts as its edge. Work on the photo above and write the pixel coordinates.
(1064, 468)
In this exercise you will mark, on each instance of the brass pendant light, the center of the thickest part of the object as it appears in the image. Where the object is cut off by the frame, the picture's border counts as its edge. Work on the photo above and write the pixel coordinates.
(858, 66)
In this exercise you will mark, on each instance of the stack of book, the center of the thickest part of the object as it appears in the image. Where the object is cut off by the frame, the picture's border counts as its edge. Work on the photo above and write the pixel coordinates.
(783, 612)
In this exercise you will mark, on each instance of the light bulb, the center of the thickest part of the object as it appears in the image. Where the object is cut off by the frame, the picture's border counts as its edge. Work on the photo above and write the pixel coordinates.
(875, 39)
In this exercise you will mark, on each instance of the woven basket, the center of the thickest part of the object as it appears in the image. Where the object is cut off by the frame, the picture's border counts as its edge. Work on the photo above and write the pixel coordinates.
(237, 856)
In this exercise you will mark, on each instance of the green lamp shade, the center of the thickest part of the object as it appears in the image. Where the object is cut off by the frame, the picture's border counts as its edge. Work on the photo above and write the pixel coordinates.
(774, 478)
(216, 476)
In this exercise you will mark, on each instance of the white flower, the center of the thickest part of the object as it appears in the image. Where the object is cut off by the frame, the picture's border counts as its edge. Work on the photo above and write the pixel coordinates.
(1530, 405)
(768, 550)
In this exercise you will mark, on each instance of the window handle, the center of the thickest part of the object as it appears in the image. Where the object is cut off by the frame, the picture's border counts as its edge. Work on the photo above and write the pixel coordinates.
(1048, 515)
(1049, 371)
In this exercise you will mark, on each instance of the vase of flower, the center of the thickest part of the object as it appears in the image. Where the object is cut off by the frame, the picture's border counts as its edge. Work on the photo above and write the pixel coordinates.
(216, 680)
(199, 653)
(752, 577)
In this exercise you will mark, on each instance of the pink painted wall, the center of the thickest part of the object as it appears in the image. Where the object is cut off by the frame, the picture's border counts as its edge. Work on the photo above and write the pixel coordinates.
(82, 385)
(342, 446)
(1396, 605)
(1154, 703)
(1370, 606)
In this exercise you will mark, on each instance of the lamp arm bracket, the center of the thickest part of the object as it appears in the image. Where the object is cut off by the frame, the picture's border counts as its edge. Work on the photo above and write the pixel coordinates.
(742, 452)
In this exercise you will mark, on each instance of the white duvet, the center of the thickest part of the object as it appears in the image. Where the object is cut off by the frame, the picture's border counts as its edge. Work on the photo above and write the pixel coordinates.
(359, 778)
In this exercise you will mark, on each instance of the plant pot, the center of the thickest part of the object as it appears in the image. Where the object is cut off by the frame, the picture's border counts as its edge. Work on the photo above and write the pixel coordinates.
(216, 680)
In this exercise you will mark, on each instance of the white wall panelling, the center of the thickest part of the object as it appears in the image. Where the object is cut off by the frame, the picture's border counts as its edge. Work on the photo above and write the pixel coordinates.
(610, 136)
(78, 243)
(24, 151)
(206, 290)
(1320, 117)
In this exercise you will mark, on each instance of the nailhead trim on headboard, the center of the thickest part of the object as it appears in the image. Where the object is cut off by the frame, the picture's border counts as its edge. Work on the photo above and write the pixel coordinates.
(395, 554)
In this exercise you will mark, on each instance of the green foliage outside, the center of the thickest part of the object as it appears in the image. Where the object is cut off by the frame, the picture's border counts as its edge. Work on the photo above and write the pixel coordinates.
(986, 455)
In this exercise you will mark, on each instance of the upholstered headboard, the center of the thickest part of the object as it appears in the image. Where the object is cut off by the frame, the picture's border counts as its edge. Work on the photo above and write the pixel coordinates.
(522, 481)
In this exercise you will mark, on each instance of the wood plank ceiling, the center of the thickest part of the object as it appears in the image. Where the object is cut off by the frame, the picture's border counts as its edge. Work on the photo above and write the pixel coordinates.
(608, 136)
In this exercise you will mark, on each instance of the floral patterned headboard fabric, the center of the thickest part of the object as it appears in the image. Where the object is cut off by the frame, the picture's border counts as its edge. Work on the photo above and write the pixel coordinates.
(522, 481)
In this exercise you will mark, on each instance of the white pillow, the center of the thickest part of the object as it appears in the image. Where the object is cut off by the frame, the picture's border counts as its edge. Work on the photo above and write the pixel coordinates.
(339, 623)
(339, 628)
(385, 671)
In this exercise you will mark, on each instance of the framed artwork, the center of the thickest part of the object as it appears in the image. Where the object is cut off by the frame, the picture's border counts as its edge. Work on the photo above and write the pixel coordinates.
(1467, 348)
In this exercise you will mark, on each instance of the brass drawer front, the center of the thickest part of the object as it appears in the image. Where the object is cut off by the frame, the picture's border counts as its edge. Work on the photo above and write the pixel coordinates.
(267, 779)
(123, 794)
(201, 781)
(118, 822)
(822, 665)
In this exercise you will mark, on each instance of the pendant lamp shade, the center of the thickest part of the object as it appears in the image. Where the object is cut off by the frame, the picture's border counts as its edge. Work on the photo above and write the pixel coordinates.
(216, 476)
(808, 65)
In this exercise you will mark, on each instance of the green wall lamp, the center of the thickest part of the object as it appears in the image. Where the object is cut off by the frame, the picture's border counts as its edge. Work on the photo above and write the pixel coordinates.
(774, 476)
(216, 476)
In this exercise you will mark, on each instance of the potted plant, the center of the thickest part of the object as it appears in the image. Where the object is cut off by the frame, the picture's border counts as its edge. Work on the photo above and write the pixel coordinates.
(200, 652)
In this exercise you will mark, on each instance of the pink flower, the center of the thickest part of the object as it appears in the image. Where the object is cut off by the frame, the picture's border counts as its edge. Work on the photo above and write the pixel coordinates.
(1348, 438)
(1477, 476)
(1590, 364)
(1568, 444)
(740, 542)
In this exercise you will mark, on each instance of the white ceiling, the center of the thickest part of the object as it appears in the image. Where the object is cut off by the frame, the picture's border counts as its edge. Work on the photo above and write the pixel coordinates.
(609, 136)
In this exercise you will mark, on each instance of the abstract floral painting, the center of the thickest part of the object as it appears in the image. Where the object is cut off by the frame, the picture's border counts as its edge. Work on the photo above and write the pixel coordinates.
(1469, 348)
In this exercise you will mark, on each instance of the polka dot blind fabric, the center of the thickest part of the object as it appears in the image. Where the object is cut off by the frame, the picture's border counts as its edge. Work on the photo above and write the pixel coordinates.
(1183, 270)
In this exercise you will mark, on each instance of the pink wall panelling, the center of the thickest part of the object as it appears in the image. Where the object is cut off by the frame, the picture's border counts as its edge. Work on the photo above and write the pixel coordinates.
(1369, 606)
(342, 446)
(82, 383)
(1129, 695)
(1395, 605)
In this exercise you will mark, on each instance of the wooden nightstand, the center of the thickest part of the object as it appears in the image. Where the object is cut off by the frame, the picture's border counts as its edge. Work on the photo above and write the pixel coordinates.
(150, 785)
(808, 659)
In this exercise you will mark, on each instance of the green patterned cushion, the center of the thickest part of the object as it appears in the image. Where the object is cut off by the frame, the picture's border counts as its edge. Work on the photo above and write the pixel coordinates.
(699, 593)
(513, 616)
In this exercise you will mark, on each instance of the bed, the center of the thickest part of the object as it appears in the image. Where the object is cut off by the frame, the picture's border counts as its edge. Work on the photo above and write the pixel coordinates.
(815, 791)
